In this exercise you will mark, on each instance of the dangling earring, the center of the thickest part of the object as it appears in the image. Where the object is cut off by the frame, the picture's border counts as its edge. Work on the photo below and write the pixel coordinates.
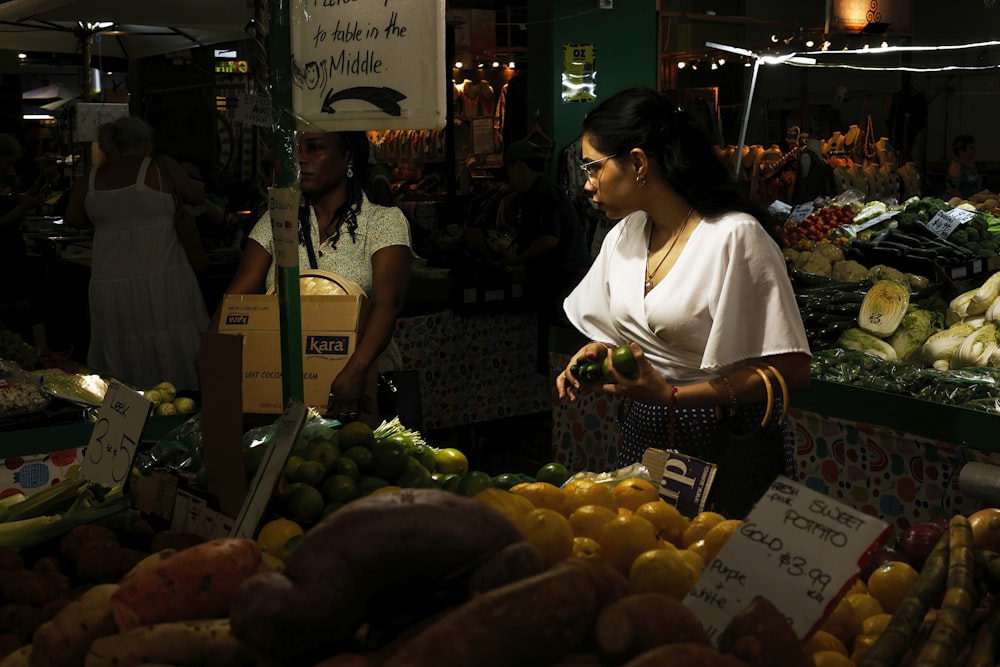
(641, 180)
(350, 170)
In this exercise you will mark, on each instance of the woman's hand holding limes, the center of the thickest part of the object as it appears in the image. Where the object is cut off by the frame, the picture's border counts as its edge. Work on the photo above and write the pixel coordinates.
(635, 377)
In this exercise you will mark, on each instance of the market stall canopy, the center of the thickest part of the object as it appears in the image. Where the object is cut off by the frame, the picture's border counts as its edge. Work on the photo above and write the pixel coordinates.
(136, 30)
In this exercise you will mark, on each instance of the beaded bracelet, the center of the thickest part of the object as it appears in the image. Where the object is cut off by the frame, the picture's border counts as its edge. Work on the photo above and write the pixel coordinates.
(732, 393)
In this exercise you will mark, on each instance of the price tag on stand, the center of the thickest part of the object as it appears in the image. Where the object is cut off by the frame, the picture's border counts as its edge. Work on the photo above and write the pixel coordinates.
(780, 209)
(116, 434)
(801, 212)
(874, 221)
(798, 548)
(263, 483)
(945, 222)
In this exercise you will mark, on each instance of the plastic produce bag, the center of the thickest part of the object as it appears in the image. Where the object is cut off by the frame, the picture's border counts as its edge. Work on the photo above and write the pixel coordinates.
(180, 449)
(19, 391)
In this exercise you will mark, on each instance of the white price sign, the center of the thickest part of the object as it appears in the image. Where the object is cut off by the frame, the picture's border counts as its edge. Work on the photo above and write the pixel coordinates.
(945, 222)
(801, 212)
(874, 221)
(116, 434)
(798, 548)
(283, 205)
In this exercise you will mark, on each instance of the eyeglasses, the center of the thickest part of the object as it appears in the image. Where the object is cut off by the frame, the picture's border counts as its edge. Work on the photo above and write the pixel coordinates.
(587, 167)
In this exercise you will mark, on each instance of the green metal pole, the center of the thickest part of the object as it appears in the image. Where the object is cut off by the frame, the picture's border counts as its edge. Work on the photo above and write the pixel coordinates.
(286, 176)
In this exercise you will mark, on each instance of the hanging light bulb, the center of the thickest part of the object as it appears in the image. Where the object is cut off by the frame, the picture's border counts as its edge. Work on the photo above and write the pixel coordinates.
(496, 63)
(810, 43)
(715, 65)
(458, 64)
(885, 44)
(512, 64)
(774, 38)
(721, 61)
(681, 64)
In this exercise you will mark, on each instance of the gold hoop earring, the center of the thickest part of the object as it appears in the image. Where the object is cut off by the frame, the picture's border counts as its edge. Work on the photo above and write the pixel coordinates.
(641, 180)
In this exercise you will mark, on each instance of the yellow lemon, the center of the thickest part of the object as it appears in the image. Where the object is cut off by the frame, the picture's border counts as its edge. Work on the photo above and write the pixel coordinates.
(589, 520)
(890, 582)
(661, 571)
(549, 531)
(580, 492)
(699, 527)
(275, 534)
(634, 491)
(586, 548)
(541, 494)
(624, 538)
(670, 524)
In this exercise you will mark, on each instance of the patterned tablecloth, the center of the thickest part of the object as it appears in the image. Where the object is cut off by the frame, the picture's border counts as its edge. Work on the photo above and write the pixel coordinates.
(473, 368)
(900, 477)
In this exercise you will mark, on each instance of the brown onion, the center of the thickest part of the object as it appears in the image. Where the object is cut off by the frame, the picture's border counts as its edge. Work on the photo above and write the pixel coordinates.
(985, 525)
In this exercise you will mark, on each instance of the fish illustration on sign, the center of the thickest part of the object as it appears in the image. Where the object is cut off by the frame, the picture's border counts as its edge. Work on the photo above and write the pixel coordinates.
(384, 98)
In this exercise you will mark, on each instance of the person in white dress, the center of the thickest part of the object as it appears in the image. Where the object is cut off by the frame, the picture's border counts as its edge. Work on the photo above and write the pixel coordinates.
(693, 282)
(147, 311)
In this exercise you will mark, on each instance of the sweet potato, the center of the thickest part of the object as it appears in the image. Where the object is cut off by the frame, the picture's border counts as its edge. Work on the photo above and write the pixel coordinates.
(641, 621)
(47, 564)
(19, 619)
(82, 535)
(529, 623)
(760, 636)
(196, 583)
(33, 588)
(11, 559)
(206, 643)
(391, 547)
(151, 559)
(512, 563)
(684, 655)
(64, 640)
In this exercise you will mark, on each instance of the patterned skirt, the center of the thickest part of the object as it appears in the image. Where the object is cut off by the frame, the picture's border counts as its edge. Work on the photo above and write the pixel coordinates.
(747, 463)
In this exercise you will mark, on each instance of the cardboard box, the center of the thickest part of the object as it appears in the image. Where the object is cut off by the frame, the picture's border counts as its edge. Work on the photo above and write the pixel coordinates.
(331, 326)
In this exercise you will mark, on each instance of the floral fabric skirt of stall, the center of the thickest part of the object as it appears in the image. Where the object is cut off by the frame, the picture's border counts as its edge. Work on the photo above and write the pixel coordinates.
(748, 456)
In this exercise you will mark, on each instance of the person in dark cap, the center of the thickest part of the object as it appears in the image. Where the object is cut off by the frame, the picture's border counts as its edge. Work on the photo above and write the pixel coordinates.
(549, 239)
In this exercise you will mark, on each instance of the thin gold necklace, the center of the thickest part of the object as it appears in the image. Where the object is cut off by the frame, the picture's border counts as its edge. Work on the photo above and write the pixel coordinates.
(648, 285)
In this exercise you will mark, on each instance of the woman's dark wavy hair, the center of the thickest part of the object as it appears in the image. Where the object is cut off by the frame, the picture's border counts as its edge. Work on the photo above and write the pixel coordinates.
(356, 147)
(644, 118)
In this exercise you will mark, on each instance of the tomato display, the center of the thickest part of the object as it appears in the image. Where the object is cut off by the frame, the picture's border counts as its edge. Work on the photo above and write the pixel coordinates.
(802, 235)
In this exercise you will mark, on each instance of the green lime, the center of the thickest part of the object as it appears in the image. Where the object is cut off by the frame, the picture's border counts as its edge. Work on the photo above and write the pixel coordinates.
(346, 466)
(451, 482)
(625, 362)
(439, 478)
(389, 459)
(301, 446)
(309, 472)
(323, 451)
(451, 460)
(367, 484)
(292, 465)
(340, 488)
(404, 439)
(475, 481)
(356, 434)
(304, 503)
(506, 480)
(415, 477)
(360, 455)
(553, 473)
(425, 455)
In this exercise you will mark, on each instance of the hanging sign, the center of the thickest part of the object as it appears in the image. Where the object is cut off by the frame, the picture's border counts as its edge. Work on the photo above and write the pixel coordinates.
(108, 457)
(579, 75)
(798, 548)
(368, 64)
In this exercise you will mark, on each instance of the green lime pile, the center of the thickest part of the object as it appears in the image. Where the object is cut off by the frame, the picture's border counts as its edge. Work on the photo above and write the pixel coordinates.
(331, 465)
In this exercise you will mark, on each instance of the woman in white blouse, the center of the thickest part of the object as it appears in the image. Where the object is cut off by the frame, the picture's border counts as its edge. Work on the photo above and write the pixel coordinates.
(692, 280)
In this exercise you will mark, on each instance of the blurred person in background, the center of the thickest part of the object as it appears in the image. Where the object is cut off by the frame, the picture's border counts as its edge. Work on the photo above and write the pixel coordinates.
(146, 308)
(14, 205)
(963, 179)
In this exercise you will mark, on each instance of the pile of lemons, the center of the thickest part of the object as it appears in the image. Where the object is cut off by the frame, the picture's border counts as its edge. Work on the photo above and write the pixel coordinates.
(625, 524)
